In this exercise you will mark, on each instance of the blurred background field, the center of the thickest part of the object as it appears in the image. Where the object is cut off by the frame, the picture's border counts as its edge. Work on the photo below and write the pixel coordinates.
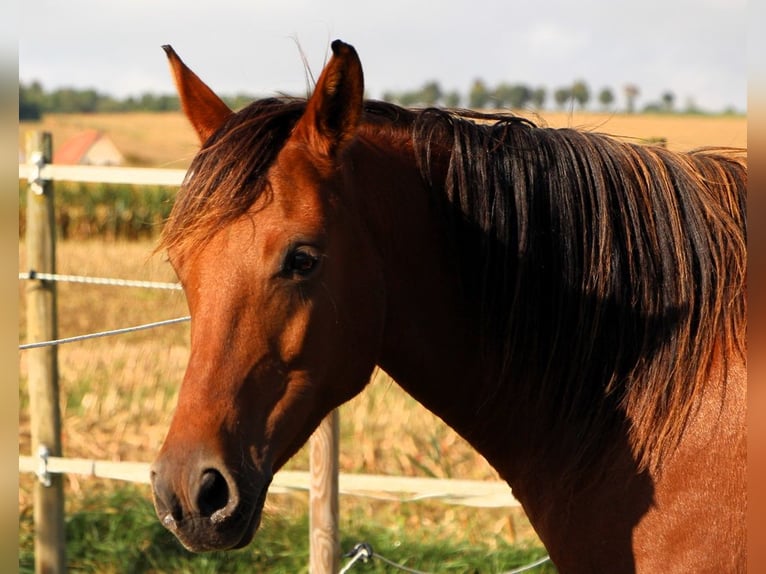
(117, 394)
(164, 139)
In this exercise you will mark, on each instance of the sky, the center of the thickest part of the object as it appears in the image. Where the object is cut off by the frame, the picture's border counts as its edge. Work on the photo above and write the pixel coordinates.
(695, 49)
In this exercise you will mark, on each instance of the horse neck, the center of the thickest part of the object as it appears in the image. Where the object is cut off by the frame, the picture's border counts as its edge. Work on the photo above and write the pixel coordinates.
(430, 348)
(429, 345)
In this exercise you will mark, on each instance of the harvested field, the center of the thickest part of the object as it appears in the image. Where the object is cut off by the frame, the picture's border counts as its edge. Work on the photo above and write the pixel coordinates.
(166, 140)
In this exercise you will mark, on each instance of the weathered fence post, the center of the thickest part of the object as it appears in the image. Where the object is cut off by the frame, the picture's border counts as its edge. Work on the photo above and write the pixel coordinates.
(324, 544)
(43, 362)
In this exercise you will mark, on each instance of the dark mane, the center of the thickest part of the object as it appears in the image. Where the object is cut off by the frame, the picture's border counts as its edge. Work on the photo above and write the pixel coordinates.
(608, 276)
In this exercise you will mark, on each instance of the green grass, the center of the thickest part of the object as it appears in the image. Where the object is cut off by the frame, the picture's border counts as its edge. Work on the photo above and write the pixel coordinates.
(116, 531)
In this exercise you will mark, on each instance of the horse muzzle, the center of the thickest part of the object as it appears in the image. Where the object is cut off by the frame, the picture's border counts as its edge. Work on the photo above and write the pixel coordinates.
(205, 506)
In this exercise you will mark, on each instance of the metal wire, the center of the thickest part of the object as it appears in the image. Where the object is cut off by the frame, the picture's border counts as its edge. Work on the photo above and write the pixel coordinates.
(103, 333)
(364, 552)
(529, 566)
(98, 280)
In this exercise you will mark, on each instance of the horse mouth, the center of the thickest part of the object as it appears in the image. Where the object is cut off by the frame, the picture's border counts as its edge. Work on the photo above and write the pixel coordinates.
(255, 521)
(220, 530)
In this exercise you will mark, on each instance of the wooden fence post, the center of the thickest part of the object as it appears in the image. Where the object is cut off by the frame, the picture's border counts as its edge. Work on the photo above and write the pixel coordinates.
(43, 362)
(324, 543)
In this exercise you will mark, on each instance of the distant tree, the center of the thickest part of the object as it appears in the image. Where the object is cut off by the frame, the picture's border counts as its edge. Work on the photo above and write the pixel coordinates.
(88, 101)
(668, 101)
(606, 98)
(631, 93)
(153, 102)
(392, 97)
(692, 107)
(66, 100)
(479, 96)
(520, 96)
(108, 104)
(430, 93)
(235, 102)
(581, 93)
(539, 95)
(562, 96)
(31, 101)
(515, 96)
(501, 95)
(410, 98)
(653, 108)
(29, 111)
(452, 99)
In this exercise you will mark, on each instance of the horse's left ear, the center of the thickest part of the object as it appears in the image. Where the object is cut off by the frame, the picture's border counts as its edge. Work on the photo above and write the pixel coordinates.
(203, 108)
(335, 108)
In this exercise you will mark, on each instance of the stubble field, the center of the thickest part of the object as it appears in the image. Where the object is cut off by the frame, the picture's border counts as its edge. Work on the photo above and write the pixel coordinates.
(166, 140)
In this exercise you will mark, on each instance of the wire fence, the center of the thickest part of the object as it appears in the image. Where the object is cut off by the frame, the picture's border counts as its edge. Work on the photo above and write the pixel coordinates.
(32, 275)
(363, 552)
(122, 331)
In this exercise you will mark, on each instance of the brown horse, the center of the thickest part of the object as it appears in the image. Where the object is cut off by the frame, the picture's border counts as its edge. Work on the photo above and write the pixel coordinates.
(571, 304)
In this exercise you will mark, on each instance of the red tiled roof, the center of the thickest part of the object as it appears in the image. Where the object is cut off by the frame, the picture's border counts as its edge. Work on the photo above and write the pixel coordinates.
(72, 150)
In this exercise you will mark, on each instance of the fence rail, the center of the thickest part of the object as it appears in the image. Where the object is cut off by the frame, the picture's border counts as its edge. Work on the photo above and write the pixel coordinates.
(97, 174)
(474, 493)
(323, 483)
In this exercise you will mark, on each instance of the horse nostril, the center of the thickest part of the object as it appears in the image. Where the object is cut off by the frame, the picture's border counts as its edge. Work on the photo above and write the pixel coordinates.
(166, 501)
(213, 492)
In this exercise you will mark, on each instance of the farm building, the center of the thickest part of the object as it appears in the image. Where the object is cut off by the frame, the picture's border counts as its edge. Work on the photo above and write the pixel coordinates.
(90, 147)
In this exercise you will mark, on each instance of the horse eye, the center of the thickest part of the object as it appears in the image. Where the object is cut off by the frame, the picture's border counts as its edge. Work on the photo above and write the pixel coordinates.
(301, 262)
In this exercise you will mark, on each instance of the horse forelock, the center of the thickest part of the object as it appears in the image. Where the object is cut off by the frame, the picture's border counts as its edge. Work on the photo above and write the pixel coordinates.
(228, 174)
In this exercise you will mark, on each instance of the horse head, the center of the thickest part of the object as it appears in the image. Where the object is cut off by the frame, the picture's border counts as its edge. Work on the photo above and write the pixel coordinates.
(286, 300)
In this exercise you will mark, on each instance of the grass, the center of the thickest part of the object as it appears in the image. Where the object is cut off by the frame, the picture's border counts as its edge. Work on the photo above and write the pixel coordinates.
(117, 396)
(101, 538)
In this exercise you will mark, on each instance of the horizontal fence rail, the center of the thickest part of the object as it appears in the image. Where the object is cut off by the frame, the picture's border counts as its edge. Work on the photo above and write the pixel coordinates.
(97, 174)
(474, 493)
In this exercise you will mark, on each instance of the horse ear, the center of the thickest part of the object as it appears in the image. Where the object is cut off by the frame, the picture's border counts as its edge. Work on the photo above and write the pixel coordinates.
(335, 108)
(205, 110)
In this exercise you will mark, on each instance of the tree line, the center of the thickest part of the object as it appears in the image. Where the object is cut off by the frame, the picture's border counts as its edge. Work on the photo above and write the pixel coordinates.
(521, 96)
(35, 101)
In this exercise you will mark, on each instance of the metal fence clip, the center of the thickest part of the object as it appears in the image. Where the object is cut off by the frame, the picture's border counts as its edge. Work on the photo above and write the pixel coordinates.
(36, 163)
(42, 467)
